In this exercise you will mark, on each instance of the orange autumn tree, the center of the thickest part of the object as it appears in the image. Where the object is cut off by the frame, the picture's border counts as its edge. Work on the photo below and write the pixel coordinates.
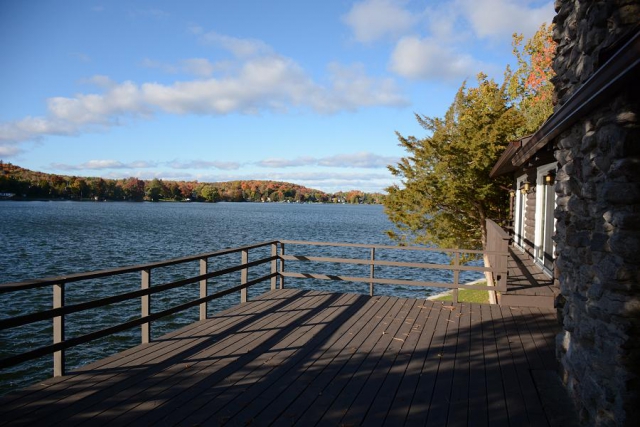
(530, 86)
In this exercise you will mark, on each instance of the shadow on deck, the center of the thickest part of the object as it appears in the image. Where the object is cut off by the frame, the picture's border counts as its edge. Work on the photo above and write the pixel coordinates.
(527, 284)
(317, 358)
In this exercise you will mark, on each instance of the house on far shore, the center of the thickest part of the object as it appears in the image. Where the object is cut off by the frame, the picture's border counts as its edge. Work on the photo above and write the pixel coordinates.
(576, 205)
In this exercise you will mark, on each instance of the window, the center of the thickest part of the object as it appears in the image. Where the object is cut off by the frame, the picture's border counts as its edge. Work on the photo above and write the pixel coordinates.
(545, 222)
(519, 214)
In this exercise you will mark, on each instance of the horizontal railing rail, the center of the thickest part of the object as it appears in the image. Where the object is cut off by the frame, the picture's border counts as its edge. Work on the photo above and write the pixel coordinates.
(495, 270)
(60, 310)
(277, 260)
(76, 277)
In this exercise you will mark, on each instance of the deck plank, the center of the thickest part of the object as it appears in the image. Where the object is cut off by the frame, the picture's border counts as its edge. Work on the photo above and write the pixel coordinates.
(317, 370)
(315, 358)
(102, 376)
(478, 414)
(421, 403)
(333, 402)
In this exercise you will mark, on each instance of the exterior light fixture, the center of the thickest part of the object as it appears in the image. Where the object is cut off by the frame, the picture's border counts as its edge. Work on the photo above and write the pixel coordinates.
(524, 189)
(550, 178)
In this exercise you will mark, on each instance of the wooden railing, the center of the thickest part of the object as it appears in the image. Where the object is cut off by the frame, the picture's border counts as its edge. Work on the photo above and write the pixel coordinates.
(60, 309)
(496, 255)
(57, 314)
(497, 270)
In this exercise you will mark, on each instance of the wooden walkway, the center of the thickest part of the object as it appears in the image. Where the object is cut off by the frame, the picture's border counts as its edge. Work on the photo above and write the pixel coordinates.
(527, 284)
(305, 358)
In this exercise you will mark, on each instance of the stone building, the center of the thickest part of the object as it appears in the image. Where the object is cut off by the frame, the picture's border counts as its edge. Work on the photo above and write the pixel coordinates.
(592, 143)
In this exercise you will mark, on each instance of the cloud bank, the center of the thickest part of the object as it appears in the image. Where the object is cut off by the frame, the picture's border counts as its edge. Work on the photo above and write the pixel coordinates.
(435, 43)
(257, 80)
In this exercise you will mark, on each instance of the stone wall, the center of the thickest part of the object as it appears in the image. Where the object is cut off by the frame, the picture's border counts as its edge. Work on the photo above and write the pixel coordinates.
(598, 220)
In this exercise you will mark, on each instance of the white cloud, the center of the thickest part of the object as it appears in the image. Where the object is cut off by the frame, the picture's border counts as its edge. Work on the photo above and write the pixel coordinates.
(100, 81)
(417, 58)
(372, 20)
(122, 99)
(203, 164)
(199, 67)
(351, 160)
(241, 48)
(277, 163)
(332, 181)
(266, 82)
(352, 88)
(437, 43)
(105, 164)
(358, 160)
(167, 68)
(501, 18)
(7, 150)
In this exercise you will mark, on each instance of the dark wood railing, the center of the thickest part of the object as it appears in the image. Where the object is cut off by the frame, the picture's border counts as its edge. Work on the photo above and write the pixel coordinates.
(496, 256)
(60, 310)
(497, 270)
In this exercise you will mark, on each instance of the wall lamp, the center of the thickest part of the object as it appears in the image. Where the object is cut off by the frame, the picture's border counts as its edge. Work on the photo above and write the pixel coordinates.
(524, 188)
(550, 178)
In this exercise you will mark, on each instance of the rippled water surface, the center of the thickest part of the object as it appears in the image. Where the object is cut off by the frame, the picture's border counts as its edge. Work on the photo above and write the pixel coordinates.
(45, 239)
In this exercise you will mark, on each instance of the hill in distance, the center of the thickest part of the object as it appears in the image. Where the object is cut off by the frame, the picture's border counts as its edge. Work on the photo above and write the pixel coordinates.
(20, 183)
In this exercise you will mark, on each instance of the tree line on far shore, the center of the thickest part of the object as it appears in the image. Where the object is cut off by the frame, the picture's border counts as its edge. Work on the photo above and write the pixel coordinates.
(19, 183)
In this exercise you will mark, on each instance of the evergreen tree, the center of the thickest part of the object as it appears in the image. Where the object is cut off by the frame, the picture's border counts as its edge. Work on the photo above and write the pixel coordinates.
(446, 193)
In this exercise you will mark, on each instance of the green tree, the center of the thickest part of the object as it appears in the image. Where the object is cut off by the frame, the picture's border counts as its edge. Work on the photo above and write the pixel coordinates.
(209, 193)
(154, 189)
(446, 193)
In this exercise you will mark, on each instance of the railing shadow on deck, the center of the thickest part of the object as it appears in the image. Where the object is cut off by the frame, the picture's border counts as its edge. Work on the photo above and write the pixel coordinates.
(470, 363)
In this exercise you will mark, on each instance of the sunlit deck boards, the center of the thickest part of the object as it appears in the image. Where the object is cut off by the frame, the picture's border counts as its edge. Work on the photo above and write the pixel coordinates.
(306, 358)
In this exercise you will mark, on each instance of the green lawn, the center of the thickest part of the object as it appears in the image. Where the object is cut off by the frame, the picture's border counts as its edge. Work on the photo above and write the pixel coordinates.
(469, 295)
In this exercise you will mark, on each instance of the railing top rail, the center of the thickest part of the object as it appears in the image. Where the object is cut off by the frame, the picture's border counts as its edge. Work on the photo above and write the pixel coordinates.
(498, 230)
(76, 277)
(369, 246)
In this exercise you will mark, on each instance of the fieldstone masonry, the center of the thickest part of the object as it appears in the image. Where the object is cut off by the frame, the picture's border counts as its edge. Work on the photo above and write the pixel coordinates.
(598, 219)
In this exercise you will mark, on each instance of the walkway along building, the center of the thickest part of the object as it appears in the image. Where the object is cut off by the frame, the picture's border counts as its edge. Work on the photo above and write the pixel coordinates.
(577, 204)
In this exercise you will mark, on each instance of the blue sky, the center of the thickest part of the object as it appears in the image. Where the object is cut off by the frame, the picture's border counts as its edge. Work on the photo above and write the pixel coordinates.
(287, 90)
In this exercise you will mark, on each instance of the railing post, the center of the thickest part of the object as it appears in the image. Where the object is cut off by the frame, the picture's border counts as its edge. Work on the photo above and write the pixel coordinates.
(243, 275)
(203, 288)
(146, 305)
(58, 330)
(281, 266)
(372, 275)
(274, 265)
(456, 276)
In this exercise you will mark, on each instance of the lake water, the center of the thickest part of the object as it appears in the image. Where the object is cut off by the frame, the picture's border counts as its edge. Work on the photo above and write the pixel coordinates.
(44, 239)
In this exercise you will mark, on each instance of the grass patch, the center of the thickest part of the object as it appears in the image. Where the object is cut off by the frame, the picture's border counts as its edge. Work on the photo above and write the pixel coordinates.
(469, 295)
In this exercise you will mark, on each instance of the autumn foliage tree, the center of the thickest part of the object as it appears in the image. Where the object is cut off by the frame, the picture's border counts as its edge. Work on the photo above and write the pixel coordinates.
(530, 86)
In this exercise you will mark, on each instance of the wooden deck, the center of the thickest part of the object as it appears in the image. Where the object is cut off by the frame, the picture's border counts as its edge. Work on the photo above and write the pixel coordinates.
(316, 358)
(527, 284)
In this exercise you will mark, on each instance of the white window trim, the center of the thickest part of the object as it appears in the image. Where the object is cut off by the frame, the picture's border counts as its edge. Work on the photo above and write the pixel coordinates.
(519, 212)
(539, 232)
